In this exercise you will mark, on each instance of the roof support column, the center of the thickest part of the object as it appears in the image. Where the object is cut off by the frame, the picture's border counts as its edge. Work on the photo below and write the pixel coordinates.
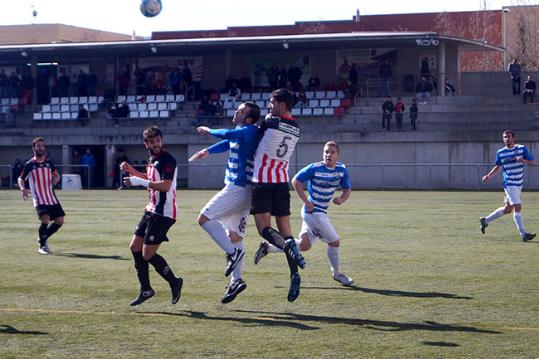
(33, 73)
(441, 68)
(228, 63)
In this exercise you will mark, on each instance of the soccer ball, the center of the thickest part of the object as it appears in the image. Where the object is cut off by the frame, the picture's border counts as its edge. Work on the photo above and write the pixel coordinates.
(150, 8)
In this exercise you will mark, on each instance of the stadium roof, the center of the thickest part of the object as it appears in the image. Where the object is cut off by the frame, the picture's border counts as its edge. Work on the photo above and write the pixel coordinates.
(201, 46)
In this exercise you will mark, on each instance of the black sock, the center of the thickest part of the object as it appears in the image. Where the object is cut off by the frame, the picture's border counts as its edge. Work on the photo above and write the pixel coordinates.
(42, 232)
(274, 237)
(291, 263)
(161, 266)
(141, 267)
(52, 228)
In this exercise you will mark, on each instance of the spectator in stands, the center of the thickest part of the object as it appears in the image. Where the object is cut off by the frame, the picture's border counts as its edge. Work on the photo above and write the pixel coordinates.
(314, 83)
(424, 68)
(88, 160)
(399, 112)
(300, 99)
(116, 172)
(217, 108)
(529, 90)
(244, 84)
(175, 80)
(187, 79)
(63, 83)
(3, 84)
(14, 83)
(413, 114)
(140, 76)
(282, 77)
(449, 88)
(387, 109)
(273, 76)
(27, 88)
(515, 70)
(353, 75)
(122, 111)
(83, 115)
(423, 90)
(234, 92)
(385, 72)
(16, 169)
(344, 71)
(294, 76)
(123, 80)
(92, 83)
(82, 82)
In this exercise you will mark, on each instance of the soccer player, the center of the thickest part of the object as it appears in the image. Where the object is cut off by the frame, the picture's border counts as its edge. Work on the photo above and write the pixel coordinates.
(511, 159)
(159, 215)
(224, 217)
(42, 176)
(279, 133)
(323, 179)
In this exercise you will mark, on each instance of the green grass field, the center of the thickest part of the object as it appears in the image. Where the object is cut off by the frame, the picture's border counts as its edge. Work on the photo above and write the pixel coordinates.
(428, 284)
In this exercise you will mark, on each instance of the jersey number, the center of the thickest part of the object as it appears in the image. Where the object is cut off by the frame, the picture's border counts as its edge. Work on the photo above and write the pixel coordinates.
(283, 147)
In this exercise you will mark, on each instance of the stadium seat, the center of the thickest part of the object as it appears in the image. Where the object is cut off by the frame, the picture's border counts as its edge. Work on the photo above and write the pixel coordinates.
(335, 102)
(318, 111)
(73, 99)
(92, 99)
(100, 99)
(13, 101)
(47, 116)
(143, 114)
(154, 114)
(74, 115)
(180, 98)
(38, 116)
(56, 116)
(46, 108)
(230, 112)
(261, 103)
(142, 106)
(56, 108)
(121, 98)
(5, 101)
(172, 106)
(324, 102)
(313, 103)
(309, 95)
(162, 106)
(131, 99)
(152, 106)
(64, 100)
(169, 98)
(72, 107)
(340, 94)
(320, 94)
(83, 99)
(228, 105)
(245, 96)
(55, 100)
(150, 98)
(160, 98)
(329, 111)
(296, 111)
(256, 96)
(331, 94)
(133, 114)
(164, 114)
(66, 115)
(93, 107)
(265, 96)
(65, 108)
(307, 111)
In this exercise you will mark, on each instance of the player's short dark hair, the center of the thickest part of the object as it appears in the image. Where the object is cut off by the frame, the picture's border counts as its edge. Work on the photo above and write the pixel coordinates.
(509, 131)
(254, 111)
(36, 140)
(334, 144)
(151, 132)
(283, 95)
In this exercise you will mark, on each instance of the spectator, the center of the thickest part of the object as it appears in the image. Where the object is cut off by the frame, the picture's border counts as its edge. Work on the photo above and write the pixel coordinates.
(63, 83)
(344, 71)
(314, 83)
(76, 159)
(16, 170)
(449, 88)
(294, 76)
(273, 76)
(424, 69)
(385, 72)
(83, 115)
(244, 84)
(300, 99)
(423, 90)
(3, 84)
(282, 77)
(515, 71)
(399, 112)
(234, 92)
(14, 84)
(92, 83)
(88, 160)
(82, 82)
(387, 108)
(175, 80)
(529, 90)
(187, 78)
(123, 80)
(413, 114)
(353, 76)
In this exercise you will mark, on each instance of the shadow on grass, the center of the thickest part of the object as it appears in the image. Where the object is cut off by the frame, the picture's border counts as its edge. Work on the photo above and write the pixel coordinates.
(89, 256)
(440, 344)
(270, 322)
(396, 293)
(374, 324)
(8, 329)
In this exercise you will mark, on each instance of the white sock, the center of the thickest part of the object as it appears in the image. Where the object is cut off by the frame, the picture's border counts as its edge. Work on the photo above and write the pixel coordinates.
(333, 256)
(517, 217)
(238, 270)
(218, 234)
(494, 215)
(274, 249)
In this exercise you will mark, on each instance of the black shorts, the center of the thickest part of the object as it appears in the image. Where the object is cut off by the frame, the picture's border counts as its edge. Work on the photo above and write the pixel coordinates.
(153, 228)
(54, 211)
(271, 198)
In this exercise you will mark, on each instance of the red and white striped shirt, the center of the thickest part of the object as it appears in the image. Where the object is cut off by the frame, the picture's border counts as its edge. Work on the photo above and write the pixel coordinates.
(162, 167)
(39, 175)
(279, 138)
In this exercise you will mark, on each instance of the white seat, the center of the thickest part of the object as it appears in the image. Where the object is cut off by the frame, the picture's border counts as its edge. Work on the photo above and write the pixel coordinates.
(313, 103)
(142, 106)
(47, 116)
(46, 108)
(223, 96)
(131, 98)
(265, 96)
(261, 103)
(320, 94)
(154, 114)
(92, 99)
(143, 114)
(264, 111)
(65, 108)
(306, 111)
(329, 111)
(38, 116)
(164, 114)
(245, 96)
(180, 98)
(162, 106)
(230, 113)
(152, 106)
(335, 102)
(172, 106)
(93, 107)
(66, 115)
(331, 94)
(228, 105)
(72, 108)
(56, 108)
(5, 101)
(296, 111)
(169, 98)
(309, 95)
(100, 99)
(150, 98)
(56, 116)
(121, 98)
(318, 111)
(133, 114)
(324, 102)
(83, 99)
(13, 101)
(64, 100)
(73, 99)
(256, 96)
(74, 115)
(160, 98)
(55, 100)
(340, 94)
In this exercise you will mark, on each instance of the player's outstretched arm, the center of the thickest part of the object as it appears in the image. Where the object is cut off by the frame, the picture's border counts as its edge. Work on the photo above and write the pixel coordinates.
(199, 155)
(300, 191)
(493, 172)
(22, 187)
(343, 197)
(126, 167)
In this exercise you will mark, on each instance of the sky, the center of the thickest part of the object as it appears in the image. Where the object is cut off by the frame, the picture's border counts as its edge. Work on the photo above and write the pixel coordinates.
(123, 16)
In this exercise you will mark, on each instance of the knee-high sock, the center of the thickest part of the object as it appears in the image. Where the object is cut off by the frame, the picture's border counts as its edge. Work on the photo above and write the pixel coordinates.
(161, 266)
(494, 215)
(517, 217)
(42, 234)
(218, 234)
(274, 237)
(291, 263)
(52, 228)
(238, 270)
(141, 267)
(333, 256)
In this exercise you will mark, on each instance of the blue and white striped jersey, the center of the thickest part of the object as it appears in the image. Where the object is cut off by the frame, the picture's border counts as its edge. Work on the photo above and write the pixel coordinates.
(322, 182)
(242, 142)
(513, 170)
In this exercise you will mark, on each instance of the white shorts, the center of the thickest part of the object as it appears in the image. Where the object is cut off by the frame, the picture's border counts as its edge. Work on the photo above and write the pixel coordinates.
(317, 224)
(231, 207)
(512, 195)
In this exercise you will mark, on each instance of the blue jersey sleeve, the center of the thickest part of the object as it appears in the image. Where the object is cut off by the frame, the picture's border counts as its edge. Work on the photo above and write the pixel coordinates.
(305, 174)
(219, 147)
(235, 134)
(498, 159)
(527, 155)
(345, 181)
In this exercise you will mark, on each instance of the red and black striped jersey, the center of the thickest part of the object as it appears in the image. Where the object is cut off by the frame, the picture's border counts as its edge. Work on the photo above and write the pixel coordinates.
(39, 175)
(279, 136)
(162, 167)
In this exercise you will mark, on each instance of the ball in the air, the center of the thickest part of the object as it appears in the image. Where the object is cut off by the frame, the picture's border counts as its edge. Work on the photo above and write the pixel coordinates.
(150, 8)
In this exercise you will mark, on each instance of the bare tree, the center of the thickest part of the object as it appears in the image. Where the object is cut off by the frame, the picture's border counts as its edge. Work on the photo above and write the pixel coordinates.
(521, 33)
